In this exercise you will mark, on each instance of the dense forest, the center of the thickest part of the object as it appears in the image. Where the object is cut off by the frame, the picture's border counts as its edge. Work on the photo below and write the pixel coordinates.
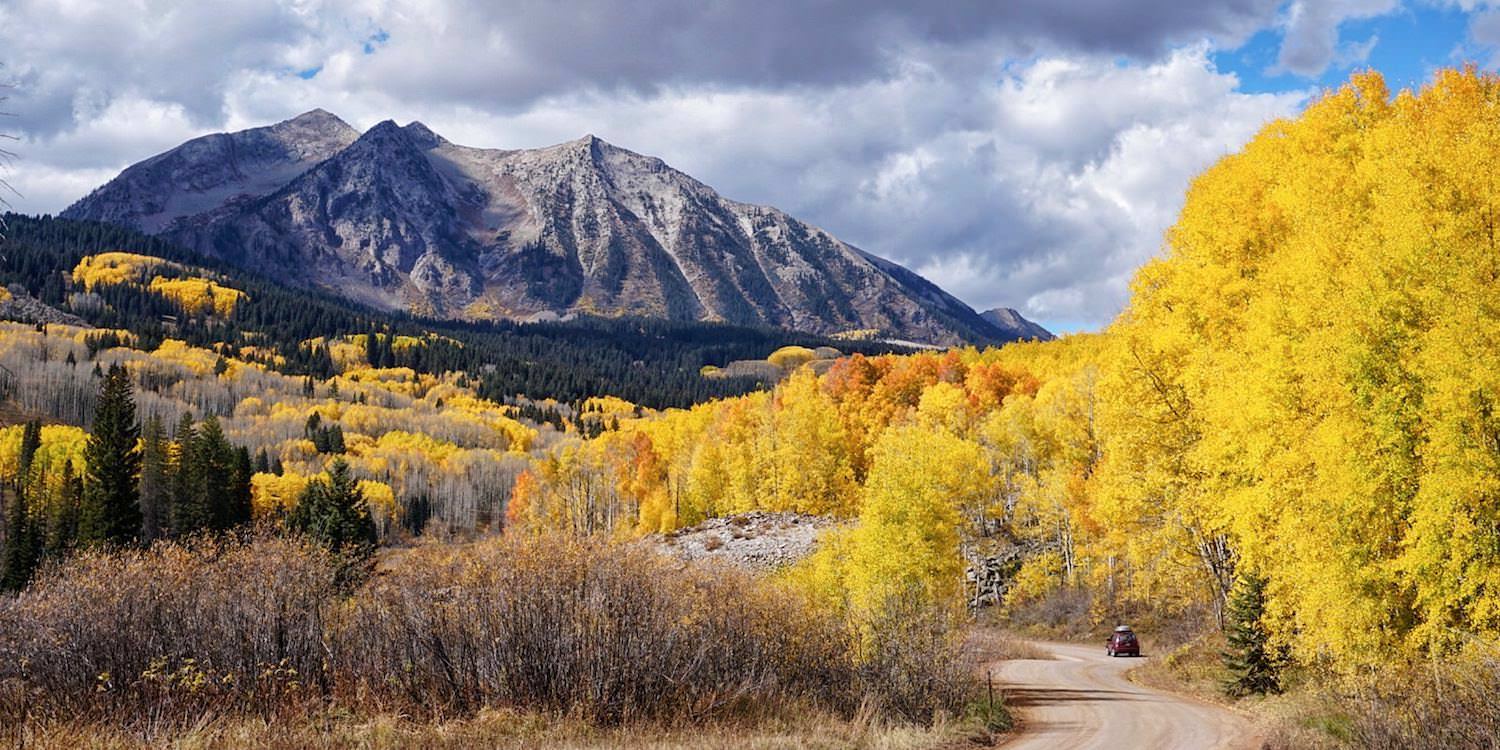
(1290, 435)
(1301, 394)
(654, 363)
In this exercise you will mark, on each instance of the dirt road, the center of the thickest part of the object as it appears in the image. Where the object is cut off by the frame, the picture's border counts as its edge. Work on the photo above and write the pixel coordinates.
(1081, 700)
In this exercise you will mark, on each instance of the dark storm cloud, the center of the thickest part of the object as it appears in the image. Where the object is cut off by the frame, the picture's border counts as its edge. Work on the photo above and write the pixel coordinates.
(512, 53)
(1025, 153)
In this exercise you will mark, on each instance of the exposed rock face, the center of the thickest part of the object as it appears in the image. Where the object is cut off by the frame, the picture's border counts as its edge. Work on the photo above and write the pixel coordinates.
(1016, 327)
(758, 540)
(206, 173)
(17, 304)
(402, 219)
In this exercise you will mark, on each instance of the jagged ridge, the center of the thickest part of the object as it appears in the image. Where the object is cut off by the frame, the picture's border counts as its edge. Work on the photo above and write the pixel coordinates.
(401, 218)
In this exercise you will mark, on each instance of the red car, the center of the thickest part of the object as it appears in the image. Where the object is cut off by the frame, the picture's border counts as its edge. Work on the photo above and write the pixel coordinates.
(1123, 643)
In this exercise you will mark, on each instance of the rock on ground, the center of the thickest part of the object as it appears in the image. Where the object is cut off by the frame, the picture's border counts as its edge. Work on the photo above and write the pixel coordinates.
(758, 540)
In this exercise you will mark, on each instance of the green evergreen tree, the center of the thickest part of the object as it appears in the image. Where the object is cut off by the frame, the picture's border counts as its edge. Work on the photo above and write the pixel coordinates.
(239, 488)
(31, 442)
(372, 349)
(1254, 667)
(187, 514)
(155, 485)
(19, 556)
(111, 512)
(215, 458)
(334, 512)
(63, 518)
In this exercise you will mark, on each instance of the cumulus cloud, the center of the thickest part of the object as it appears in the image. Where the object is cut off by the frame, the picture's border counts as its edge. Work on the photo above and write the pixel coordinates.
(1026, 154)
(1310, 41)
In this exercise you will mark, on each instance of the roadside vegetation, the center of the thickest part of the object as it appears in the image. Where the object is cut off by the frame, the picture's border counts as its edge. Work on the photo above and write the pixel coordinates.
(1301, 394)
(1279, 464)
(152, 644)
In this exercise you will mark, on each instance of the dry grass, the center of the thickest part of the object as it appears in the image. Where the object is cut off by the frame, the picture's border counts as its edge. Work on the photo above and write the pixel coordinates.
(1193, 668)
(556, 641)
(987, 644)
(805, 729)
(1420, 705)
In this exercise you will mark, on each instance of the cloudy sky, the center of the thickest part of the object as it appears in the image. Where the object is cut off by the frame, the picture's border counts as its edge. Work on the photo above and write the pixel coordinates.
(1025, 153)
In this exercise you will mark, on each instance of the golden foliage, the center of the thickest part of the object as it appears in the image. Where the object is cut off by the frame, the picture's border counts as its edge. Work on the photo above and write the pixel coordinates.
(198, 296)
(789, 357)
(115, 268)
(1304, 386)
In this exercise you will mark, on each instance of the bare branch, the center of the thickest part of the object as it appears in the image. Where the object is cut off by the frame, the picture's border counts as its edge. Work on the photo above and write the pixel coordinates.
(7, 157)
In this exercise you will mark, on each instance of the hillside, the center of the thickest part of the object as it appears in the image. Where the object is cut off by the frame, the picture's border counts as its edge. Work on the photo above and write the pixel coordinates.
(1015, 325)
(399, 218)
(654, 363)
(1294, 424)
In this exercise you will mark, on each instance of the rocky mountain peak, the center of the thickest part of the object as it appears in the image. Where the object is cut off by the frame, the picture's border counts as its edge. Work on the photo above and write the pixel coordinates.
(318, 117)
(423, 136)
(398, 217)
(1012, 322)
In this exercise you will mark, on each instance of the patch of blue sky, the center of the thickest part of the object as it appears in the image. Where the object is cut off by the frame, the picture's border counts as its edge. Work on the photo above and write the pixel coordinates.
(1405, 46)
(376, 40)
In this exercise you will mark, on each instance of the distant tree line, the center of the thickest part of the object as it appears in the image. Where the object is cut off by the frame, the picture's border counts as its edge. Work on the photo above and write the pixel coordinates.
(655, 363)
(139, 485)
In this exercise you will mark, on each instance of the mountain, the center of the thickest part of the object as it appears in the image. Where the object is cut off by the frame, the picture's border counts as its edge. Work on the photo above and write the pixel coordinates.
(206, 173)
(1015, 326)
(295, 331)
(402, 219)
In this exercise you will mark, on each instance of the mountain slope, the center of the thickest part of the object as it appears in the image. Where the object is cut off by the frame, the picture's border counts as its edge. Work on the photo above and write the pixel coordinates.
(205, 173)
(655, 363)
(1015, 326)
(401, 218)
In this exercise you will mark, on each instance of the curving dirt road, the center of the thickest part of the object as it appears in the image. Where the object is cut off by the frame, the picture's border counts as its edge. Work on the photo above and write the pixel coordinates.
(1081, 700)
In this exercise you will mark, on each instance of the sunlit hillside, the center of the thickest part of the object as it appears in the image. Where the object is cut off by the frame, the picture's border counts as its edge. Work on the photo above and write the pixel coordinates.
(1283, 456)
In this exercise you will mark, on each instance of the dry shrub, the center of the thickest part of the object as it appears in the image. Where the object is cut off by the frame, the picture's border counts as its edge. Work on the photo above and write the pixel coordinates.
(1434, 705)
(1453, 703)
(1060, 613)
(173, 630)
(161, 640)
(912, 664)
(562, 624)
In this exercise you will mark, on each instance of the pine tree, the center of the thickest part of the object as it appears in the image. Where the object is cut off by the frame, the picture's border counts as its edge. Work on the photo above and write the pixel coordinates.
(334, 512)
(63, 520)
(215, 459)
(111, 512)
(155, 486)
(239, 488)
(187, 514)
(372, 349)
(1254, 669)
(31, 442)
(19, 556)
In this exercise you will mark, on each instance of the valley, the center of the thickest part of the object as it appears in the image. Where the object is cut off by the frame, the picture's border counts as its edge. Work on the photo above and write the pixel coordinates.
(316, 435)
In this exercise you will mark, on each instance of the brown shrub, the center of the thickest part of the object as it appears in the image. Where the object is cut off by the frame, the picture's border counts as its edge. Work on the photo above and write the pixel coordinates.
(562, 624)
(176, 629)
(912, 664)
(1434, 705)
(154, 641)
